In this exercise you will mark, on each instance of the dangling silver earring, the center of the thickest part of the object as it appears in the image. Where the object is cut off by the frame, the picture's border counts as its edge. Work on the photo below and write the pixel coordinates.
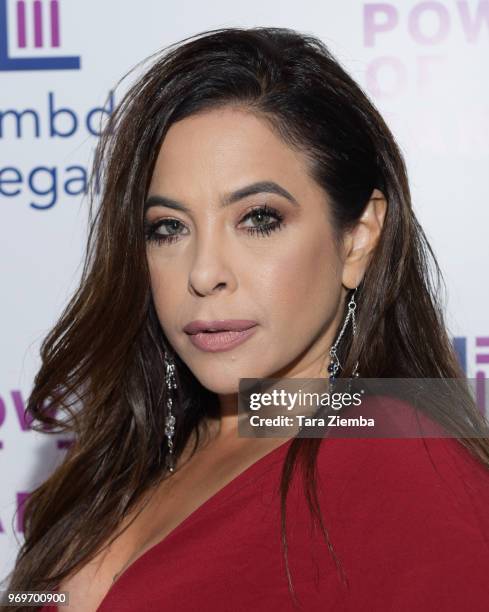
(335, 365)
(170, 418)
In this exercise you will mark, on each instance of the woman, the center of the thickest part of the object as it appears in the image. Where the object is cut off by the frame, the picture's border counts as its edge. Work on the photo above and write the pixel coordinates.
(249, 186)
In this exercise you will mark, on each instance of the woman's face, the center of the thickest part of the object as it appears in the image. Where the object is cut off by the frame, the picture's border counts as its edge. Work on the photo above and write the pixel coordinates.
(211, 261)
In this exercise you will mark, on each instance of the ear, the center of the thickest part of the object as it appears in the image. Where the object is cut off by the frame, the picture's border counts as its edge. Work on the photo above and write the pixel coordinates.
(360, 241)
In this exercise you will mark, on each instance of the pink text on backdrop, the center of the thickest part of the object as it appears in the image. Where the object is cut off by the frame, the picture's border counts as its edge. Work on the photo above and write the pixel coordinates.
(389, 76)
(382, 17)
(23, 419)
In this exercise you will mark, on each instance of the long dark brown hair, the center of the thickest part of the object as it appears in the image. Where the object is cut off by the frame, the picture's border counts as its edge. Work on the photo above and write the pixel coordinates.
(102, 363)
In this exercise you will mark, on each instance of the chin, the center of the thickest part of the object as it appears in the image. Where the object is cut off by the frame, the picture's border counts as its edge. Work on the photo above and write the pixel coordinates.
(224, 379)
(220, 386)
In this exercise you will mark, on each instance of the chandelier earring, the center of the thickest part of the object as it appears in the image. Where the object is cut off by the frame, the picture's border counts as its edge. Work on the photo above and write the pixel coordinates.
(335, 366)
(170, 420)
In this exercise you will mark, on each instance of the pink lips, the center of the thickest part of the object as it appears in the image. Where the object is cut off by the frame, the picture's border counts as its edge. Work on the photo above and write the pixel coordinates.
(222, 335)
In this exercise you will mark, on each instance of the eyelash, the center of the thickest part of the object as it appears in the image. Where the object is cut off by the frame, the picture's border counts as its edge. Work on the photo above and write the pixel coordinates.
(151, 235)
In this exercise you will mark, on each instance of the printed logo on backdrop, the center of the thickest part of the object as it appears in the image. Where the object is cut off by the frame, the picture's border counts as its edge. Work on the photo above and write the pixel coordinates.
(32, 39)
(430, 51)
(42, 186)
(12, 412)
(426, 27)
(33, 26)
(473, 354)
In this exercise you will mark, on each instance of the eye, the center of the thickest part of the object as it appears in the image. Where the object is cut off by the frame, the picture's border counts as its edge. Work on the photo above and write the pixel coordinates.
(264, 212)
(163, 231)
(168, 231)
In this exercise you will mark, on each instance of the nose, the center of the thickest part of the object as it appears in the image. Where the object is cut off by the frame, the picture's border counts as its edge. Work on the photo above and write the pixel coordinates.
(211, 269)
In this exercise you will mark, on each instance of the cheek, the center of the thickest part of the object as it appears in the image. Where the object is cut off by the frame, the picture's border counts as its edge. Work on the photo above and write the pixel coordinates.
(161, 278)
(302, 279)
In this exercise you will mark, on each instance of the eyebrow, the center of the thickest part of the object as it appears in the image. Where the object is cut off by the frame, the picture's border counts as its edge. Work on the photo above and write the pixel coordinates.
(230, 198)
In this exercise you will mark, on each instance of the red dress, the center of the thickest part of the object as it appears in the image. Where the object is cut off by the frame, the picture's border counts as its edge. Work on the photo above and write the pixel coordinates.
(408, 520)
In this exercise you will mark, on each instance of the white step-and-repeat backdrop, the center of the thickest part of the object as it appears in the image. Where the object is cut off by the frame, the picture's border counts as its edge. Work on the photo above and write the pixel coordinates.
(424, 63)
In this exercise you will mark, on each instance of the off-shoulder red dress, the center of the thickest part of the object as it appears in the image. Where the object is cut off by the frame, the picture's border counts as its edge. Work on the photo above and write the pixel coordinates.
(408, 520)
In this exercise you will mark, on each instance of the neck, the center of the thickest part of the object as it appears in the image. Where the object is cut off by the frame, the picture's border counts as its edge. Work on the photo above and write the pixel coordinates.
(228, 406)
